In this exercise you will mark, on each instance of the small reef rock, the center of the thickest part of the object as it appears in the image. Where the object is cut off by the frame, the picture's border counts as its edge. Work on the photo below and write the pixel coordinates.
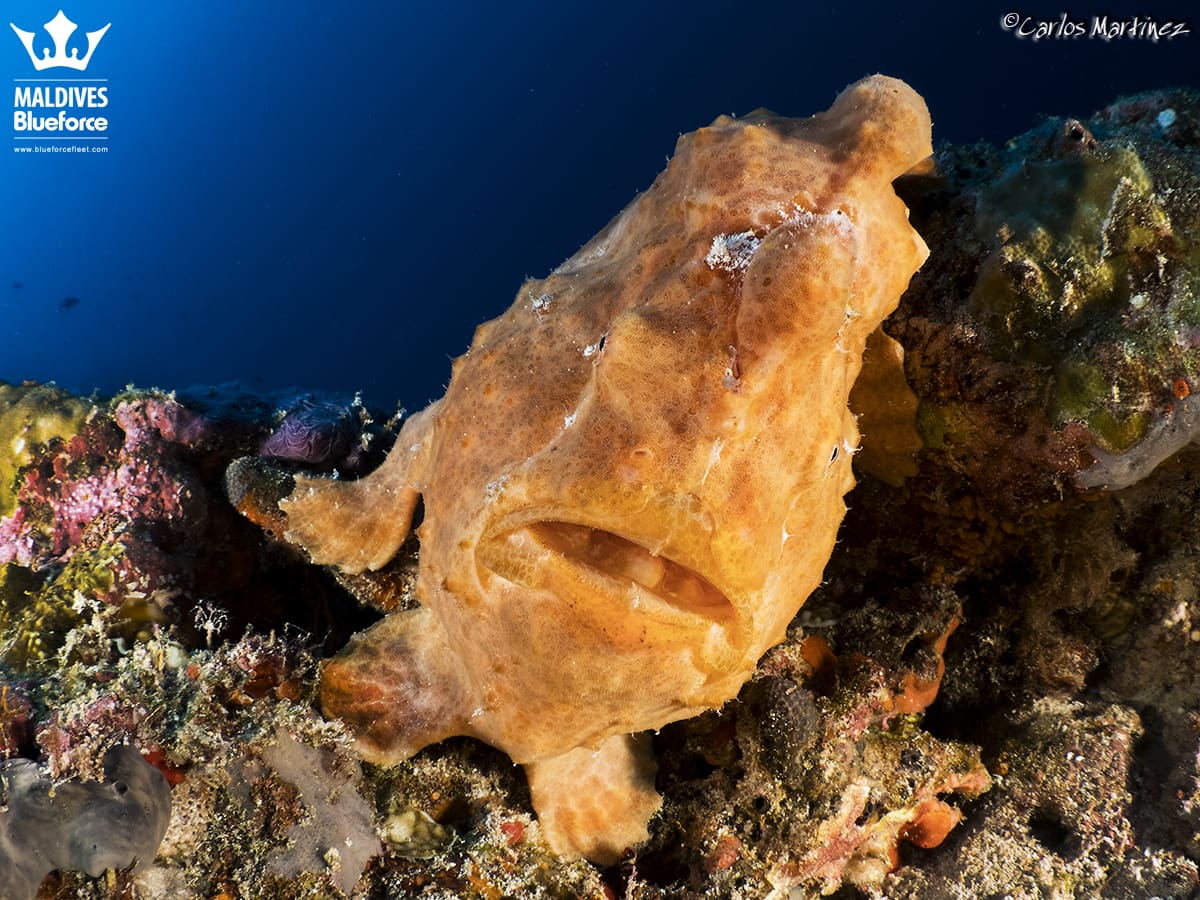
(992, 692)
(88, 826)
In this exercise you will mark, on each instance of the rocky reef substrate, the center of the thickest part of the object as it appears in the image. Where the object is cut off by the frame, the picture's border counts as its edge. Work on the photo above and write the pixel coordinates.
(996, 691)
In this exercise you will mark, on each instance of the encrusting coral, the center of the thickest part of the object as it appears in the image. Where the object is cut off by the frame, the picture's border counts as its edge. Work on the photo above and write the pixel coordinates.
(32, 416)
(636, 474)
(1055, 339)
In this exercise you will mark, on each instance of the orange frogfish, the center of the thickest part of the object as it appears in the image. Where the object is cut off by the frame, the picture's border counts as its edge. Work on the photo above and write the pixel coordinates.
(635, 476)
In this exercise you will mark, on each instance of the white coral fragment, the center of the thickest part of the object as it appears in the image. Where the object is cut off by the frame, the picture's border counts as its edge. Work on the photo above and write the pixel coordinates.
(1169, 435)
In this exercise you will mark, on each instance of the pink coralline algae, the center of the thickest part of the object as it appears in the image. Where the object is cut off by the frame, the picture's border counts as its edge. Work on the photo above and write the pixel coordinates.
(99, 482)
(16, 541)
(120, 503)
(151, 419)
(74, 742)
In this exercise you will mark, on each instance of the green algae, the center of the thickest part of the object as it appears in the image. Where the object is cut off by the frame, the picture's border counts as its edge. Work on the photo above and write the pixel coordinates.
(31, 416)
(1091, 279)
(37, 615)
(1078, 383)
(1067, 230)
(1078, 221)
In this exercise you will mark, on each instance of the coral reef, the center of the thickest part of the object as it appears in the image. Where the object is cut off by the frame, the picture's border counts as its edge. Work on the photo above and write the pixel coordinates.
(1059, 322)
(123, 566)
(841, 731)
(993, 691)
(33, 416)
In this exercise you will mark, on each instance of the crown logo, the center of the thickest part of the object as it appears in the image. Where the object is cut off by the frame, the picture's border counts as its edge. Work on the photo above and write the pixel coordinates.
(60, 29)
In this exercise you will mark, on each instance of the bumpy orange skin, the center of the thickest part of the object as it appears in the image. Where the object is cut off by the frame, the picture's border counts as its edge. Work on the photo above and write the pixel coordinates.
(636, 475)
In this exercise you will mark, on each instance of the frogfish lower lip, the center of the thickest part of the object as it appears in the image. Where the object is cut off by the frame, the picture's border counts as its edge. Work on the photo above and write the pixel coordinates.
(580, 561)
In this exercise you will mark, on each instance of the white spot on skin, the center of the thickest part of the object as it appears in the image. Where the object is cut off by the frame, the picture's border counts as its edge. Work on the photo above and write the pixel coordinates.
(732, 252)
(714, 457)
(837, 218)
(541, 303)
(495, 488)
(1166, 118)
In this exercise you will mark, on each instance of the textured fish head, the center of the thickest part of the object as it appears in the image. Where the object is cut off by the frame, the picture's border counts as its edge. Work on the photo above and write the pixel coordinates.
(635, 476)
(637, 471)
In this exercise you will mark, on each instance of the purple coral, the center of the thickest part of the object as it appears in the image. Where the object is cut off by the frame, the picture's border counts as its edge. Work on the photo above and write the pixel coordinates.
(313, 433)
(100, 481)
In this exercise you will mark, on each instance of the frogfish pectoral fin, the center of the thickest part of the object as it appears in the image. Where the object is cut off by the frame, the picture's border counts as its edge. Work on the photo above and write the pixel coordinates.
(399, 687)
(596, 803)
(359, 525)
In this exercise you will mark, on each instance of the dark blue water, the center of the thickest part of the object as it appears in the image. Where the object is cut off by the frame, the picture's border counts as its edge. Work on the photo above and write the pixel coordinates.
(334, 195)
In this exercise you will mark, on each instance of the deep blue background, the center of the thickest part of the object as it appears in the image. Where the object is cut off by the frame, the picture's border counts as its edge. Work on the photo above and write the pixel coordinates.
(333, 197)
